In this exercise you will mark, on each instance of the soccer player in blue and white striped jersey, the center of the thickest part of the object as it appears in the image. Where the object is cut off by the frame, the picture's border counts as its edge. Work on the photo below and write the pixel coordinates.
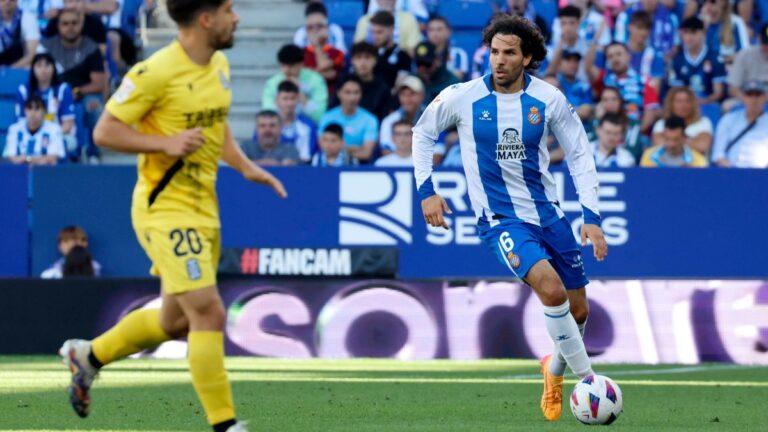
(503, 120)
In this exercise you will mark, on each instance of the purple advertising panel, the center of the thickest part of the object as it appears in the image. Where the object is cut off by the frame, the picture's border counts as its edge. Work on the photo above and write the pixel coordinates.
(630, 321)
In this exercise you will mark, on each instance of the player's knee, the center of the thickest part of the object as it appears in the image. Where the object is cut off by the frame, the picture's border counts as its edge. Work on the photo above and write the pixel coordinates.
(212, 317)
(175, 327)
(580, 311)
(552, 291)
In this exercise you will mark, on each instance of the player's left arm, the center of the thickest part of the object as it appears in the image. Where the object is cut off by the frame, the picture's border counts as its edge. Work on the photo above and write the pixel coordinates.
(233, 155)
(569, 131)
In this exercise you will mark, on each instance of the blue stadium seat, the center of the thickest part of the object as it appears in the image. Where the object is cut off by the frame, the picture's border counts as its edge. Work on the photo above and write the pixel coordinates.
(547, 10)
(129, 21)
(469, 40)
(344, 12)
(712, 112)
(10, 80)
(466, 14)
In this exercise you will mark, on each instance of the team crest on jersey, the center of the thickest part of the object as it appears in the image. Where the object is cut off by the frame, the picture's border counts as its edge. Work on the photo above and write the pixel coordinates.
(485, 116)
(224, 80)
(533, 116)
(511, 146)
(514, 259)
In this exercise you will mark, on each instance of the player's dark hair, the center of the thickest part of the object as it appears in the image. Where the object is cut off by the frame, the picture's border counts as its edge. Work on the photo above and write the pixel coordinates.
(34, 84)
(641, 19)
(335, 129)
(569, 11)
(348, 79)
(363, 48)
(401, 122)
(290, 54)
(674, 122)
(34, 102)
(268, 113)
(287, 87)
(315, 7)
(383, 18)
(441, 19)
(614, 118)
(531, 40)
(184, 12)
(78, 263)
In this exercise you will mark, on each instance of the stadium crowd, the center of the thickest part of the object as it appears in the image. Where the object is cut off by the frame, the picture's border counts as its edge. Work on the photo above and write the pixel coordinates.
(67, 56)
(657, 83)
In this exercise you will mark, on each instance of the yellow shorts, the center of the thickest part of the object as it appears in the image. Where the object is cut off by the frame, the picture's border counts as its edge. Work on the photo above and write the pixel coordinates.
(185, 258)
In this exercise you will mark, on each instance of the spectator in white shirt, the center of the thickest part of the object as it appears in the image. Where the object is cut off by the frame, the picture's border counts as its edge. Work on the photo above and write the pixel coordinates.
(741, 139)
(33, 139)
(609, 149)
(69, 238)
(19, 35)
(401, 157)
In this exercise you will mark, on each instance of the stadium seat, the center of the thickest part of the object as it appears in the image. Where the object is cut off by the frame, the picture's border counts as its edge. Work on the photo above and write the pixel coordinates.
(466, 14)
(712, 112)
(469, 40)
(344, 13)
(10, 80)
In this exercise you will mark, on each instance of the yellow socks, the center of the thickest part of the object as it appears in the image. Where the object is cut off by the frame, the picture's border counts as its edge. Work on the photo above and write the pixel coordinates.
(136, 332)
(206, 363)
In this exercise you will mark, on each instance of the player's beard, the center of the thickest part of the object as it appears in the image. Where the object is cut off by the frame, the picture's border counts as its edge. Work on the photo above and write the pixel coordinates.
(511, 77)
(221, 42)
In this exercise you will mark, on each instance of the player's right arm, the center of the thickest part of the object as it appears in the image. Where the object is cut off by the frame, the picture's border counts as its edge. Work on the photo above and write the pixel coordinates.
(438, 117)
(139, 92)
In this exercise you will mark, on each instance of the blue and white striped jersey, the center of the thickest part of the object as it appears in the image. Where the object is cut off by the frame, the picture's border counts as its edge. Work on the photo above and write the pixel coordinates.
(504, 149)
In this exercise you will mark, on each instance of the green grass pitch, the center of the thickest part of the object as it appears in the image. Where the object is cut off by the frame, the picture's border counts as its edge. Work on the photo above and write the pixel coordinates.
(377, 395)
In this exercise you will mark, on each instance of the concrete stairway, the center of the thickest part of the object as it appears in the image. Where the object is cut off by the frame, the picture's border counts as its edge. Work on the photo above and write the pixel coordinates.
(265, 25)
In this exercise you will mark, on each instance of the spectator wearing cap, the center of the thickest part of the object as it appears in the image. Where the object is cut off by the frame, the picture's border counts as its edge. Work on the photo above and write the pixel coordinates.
(392, 60)
(403, 138)
(640, 98)
(750, 64)
(696, 65)
(609, 148)
(361, 128)
(314, 92)
(576, 90)
(454, 58)
(570, 41)
(297, 130)
(316, 18)
(410, 93)
(673, 150)
(266, 149)
(741, 138)
(644, 59)
(377, 96)
(319, 54)
(663, 31)
(405, 30)
(332, 152)
(19, 35)
(432, 71)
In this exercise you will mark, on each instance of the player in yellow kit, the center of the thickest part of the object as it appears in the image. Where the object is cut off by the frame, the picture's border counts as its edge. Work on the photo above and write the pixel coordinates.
(172, 110)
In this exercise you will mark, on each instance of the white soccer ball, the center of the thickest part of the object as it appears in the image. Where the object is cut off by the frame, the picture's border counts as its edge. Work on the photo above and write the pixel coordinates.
(596, 400)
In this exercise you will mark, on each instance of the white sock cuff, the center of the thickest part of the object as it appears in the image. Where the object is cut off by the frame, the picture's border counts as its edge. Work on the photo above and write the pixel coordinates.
(582, 326)
(558, 311)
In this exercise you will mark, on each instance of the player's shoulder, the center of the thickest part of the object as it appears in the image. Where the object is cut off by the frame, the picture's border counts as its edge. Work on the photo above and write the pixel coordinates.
(461, 93)
(543, 90)
(17, 127)
(51, 127)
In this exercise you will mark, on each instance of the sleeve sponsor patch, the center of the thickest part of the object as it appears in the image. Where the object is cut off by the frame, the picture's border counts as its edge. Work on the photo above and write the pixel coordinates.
(127, 87)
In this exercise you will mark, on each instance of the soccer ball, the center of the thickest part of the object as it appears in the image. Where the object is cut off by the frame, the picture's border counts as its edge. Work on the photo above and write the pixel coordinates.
(596, 400)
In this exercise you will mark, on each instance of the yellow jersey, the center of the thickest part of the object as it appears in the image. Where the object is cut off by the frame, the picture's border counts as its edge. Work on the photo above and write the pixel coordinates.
(165, 95)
